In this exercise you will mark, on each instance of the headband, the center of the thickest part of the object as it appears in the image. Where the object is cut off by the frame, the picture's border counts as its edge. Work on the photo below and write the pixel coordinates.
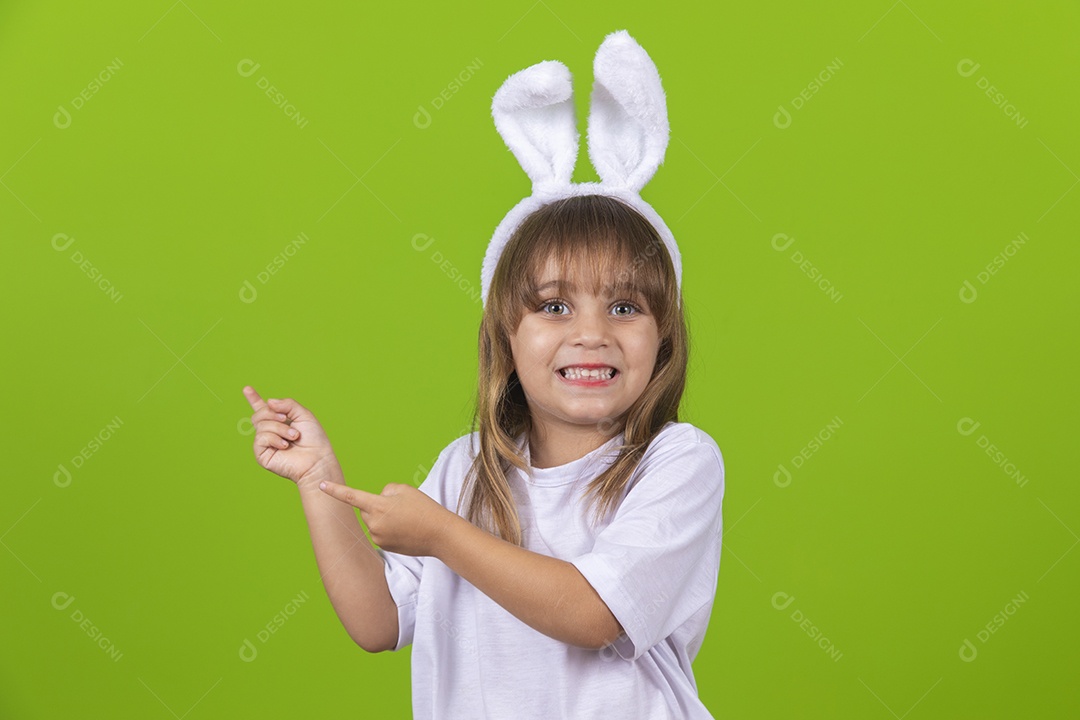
(627, 135)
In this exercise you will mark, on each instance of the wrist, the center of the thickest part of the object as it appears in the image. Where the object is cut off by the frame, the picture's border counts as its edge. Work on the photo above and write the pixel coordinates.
(445, 538)
(327, 469)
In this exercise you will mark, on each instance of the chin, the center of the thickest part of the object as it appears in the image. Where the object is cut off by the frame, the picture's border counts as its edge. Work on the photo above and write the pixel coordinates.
(593, 416)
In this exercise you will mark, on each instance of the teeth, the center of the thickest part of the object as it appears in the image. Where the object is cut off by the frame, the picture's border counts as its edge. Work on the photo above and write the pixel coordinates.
(575, 373)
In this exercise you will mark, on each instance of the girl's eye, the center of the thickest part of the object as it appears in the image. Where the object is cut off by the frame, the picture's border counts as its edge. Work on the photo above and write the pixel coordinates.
(560, 303)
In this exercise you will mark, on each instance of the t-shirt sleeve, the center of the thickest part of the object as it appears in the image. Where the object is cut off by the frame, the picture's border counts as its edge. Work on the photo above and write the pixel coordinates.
(403, 572)
(656, 564)
(403, 578)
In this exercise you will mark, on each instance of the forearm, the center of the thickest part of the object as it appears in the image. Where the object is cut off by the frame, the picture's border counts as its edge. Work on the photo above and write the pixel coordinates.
(351, 570)
(547, 594)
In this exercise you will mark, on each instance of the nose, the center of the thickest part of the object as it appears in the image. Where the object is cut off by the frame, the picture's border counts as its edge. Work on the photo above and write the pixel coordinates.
(590, 328)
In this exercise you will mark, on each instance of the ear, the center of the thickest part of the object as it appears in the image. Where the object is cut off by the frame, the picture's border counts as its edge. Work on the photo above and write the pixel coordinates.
(628, 122)
(534, 114)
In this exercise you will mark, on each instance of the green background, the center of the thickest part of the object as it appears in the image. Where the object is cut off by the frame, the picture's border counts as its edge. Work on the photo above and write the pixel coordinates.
(897, 538)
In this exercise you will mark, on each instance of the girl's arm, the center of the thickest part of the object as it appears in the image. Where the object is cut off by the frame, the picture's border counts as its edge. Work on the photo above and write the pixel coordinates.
(351, 571)
(548, 594)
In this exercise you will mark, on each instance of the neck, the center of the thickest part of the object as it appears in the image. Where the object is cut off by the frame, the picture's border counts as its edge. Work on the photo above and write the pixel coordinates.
(551, 446)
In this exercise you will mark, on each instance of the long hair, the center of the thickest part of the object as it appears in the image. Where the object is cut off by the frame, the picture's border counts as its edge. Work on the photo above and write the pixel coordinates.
(609, 243)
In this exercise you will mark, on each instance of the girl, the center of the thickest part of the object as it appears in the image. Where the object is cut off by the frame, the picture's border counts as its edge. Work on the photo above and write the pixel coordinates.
(561, 560)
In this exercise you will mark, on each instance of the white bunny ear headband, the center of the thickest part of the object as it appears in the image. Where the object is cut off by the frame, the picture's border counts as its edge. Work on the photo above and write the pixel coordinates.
(628, 135)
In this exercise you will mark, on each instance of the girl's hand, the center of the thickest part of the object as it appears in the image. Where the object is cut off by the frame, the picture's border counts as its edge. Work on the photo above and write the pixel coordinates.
(401, 519)
(289, 441)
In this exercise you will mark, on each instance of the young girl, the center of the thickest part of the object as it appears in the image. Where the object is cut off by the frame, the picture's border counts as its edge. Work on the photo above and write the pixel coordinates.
(561, 560)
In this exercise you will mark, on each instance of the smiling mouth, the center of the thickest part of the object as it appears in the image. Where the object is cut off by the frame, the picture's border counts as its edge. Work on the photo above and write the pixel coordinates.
(590, 377)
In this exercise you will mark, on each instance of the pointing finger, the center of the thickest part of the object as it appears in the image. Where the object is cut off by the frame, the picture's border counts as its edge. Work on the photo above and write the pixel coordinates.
(357, 498)
(262, 407)
(255, 400)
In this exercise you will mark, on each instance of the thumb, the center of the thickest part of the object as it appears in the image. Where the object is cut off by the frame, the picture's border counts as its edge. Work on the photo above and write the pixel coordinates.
(288, 407)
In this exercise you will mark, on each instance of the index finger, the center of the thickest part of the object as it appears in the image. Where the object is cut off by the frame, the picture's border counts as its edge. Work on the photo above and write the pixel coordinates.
(355, 497)
(256, 401)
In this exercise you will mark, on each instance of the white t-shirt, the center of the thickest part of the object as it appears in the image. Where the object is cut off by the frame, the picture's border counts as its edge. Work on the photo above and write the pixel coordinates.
(654, 562)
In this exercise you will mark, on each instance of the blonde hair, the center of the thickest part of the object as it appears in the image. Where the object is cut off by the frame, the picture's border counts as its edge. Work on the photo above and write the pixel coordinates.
(614, 244)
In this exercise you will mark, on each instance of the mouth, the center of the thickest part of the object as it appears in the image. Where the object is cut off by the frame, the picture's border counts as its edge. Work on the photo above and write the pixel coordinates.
(588, 377)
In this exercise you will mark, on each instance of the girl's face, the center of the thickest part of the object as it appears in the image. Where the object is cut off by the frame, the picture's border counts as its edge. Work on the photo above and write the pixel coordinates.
(569, 330)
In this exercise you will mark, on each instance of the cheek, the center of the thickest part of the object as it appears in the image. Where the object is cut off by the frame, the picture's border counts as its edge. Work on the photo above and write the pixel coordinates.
(537, 341)
(645, 350)
(644, 344)
(530, 351)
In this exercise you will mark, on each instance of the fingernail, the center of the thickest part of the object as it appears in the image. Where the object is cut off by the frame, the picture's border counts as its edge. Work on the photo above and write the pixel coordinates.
(322, 486)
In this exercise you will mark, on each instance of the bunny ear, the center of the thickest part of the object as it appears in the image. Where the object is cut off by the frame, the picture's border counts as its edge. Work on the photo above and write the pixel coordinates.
(534, 114)
(628, 123)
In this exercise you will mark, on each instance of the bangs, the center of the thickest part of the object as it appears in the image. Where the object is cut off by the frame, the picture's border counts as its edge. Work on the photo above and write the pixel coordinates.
(588, 244)
(581, 264)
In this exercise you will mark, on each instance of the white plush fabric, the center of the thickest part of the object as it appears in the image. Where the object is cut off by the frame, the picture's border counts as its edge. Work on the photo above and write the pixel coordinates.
(627, 136)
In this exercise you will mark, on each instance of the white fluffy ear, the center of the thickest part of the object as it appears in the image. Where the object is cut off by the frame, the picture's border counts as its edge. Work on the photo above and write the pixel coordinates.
(628, 122)
(534, 114)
